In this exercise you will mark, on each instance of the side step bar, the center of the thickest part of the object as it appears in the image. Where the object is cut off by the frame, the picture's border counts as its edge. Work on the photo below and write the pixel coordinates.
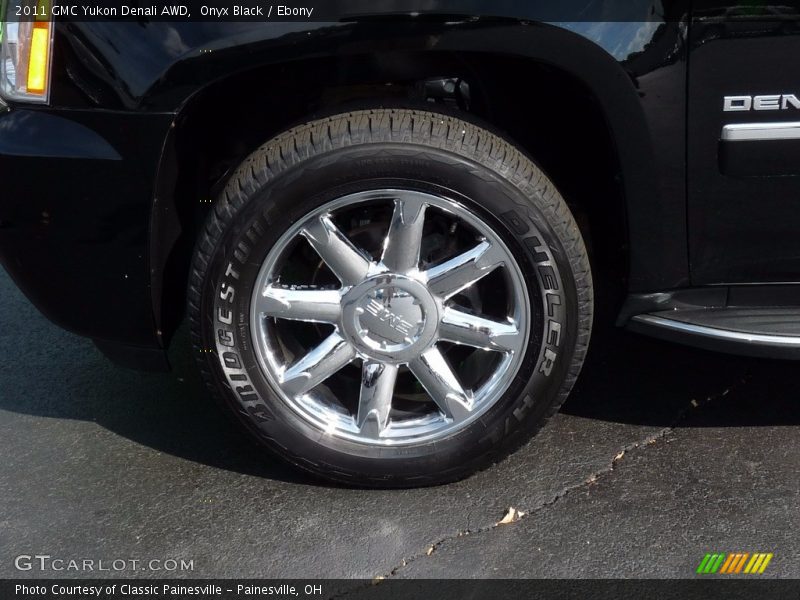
(767, 332)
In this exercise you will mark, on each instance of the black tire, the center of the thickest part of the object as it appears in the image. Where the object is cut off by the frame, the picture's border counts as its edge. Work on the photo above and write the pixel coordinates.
(308, 165)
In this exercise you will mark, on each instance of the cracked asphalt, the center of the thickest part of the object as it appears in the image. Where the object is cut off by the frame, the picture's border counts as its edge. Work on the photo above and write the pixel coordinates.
(663, 453)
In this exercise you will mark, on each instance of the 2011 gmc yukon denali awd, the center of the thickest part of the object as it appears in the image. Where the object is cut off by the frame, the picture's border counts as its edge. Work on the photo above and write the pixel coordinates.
(385, 226)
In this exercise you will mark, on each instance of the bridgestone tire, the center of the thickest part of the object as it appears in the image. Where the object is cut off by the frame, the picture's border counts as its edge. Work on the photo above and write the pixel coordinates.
(301, 169)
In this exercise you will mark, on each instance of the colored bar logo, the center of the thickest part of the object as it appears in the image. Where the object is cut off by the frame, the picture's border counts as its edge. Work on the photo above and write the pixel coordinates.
(734, 563)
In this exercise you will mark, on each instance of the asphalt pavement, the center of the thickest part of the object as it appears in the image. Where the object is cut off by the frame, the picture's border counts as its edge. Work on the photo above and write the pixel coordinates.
(662, 454)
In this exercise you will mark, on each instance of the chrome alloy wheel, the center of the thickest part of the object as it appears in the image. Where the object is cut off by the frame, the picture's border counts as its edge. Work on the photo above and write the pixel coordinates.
(394, 311)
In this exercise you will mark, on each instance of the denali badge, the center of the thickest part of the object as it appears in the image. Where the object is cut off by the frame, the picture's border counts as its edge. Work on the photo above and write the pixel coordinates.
(768, 102)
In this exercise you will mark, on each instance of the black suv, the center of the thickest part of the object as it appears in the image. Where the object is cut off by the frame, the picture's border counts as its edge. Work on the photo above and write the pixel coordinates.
(383, 222)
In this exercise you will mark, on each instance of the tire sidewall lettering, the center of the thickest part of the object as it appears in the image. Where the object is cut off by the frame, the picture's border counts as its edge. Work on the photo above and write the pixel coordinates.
(271, 202)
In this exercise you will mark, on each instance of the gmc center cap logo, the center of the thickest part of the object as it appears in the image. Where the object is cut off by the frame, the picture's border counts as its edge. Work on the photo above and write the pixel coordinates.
(765, 102)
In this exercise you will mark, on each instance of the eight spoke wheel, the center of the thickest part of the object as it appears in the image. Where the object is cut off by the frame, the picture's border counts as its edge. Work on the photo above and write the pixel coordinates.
(390, 297)
(392, 311)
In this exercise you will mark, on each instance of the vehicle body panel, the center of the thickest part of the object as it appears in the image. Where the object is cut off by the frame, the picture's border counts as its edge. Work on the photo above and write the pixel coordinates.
(96, 263)
(743, 223)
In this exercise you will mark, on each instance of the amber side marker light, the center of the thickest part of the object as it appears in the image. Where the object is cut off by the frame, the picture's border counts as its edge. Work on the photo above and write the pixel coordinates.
(37, 63)
(26, 37)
